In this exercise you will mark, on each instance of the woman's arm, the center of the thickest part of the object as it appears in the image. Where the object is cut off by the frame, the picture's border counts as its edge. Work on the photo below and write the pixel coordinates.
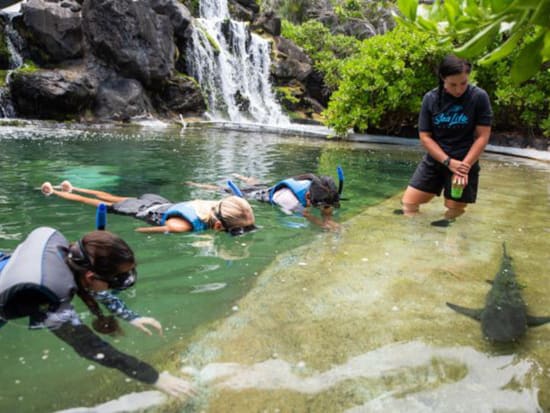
(483, 133)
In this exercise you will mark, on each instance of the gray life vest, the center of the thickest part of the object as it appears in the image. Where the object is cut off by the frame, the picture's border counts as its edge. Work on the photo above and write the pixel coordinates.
(36, 280)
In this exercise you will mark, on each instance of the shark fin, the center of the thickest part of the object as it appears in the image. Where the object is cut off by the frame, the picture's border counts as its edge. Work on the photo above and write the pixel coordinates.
(533, 321)
(470, 312)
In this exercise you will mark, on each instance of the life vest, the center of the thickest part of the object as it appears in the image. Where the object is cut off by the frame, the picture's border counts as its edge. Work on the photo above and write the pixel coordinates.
(36, 279)
(298, 188)
(186, 211)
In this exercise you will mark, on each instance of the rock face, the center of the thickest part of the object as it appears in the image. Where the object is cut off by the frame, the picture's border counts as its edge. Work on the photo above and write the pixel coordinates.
(52, 30)
(129, 38)
(117, 58)
(121, 59)
(52, 94)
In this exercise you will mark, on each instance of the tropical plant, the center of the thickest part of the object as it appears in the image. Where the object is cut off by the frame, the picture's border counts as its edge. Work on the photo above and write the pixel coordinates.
(327, 51)
(383, 84)
(488, 30)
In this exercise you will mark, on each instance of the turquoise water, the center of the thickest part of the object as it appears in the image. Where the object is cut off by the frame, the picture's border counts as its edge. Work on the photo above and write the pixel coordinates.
(185, 280)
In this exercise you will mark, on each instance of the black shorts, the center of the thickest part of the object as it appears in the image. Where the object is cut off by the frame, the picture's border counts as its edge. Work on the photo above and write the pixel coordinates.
(132, 206)
(433, 177)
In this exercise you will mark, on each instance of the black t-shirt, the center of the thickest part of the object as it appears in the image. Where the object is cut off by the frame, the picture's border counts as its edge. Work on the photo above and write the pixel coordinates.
(452, 121)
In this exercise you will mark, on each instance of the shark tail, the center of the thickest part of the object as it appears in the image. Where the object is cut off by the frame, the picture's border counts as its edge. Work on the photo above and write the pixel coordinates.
(469, 312)
(533, 321)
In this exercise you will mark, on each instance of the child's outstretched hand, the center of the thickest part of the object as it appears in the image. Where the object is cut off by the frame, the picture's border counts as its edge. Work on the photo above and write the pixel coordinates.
(47, 188)
(142, 323)
(174, 386)
(66, 186)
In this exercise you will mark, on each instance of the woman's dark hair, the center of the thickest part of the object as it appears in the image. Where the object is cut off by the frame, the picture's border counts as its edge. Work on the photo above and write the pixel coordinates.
(449, 66)
(103, 253)
(323, 190)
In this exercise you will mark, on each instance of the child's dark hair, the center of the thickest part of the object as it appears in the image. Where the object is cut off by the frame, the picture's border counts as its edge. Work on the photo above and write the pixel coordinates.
(323, 190)
(449, 66)
(105, 254)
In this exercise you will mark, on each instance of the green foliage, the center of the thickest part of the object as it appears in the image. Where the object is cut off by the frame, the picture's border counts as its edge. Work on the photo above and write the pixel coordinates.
(524, 107)
(328, 52)
(475, 25)
(294, 10)
(382, 86)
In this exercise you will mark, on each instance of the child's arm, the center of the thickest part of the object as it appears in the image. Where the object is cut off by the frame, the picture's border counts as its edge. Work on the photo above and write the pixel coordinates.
(171, 225)
(118, 308)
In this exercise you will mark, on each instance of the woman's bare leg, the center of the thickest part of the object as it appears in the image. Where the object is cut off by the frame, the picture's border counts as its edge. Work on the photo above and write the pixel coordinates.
(413, 198)
(454, 209)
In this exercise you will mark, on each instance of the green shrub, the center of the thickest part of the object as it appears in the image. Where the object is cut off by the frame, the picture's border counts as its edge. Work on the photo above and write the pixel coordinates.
(382, 86)
(327, 51)
(524, 107)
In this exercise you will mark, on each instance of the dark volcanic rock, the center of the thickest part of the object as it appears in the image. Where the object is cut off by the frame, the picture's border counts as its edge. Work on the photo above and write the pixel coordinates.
(52, 94)
(131, 39)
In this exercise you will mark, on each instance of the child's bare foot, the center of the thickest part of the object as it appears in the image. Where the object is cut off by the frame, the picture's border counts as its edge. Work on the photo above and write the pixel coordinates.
(47, 188)
(66, 186)
(249, 180)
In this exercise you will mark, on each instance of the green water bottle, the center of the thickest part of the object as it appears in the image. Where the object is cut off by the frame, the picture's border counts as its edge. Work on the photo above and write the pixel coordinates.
(456, 190)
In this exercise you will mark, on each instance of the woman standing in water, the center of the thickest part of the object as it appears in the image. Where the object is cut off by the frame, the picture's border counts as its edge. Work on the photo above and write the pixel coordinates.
(454, 127)
(40, 278)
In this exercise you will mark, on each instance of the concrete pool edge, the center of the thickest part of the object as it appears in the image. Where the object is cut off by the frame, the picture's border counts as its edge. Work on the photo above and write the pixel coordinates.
(322, 132)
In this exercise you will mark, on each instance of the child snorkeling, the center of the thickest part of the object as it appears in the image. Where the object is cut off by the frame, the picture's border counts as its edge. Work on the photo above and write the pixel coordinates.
(231, 214)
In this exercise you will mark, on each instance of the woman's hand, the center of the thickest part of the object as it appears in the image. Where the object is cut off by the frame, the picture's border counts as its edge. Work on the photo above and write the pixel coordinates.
(143, 322)
(461, 181)
(459, 168)
(174, 386)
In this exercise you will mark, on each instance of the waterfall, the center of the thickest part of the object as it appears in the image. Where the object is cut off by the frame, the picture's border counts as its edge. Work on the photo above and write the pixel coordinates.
(14, 43)
(232, 65)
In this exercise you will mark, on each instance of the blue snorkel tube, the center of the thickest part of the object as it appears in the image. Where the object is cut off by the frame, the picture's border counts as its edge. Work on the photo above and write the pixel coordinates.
(101, 217)
(234, 188)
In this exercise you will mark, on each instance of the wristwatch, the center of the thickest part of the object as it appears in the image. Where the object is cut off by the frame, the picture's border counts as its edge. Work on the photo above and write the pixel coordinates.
(447, 161)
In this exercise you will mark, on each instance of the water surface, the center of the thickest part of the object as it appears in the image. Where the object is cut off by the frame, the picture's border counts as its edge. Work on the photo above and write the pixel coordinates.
(289, 318)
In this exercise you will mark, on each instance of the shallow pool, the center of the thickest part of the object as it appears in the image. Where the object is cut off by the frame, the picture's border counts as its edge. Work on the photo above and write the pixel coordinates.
(289, 318)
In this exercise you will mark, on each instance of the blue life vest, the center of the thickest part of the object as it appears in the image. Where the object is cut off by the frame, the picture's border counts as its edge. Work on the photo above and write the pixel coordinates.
(3, 260)
(186, 211)
(298, 188)
(36, 280)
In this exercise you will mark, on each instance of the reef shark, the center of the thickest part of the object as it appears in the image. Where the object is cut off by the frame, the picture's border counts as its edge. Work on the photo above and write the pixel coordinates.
(504, 318)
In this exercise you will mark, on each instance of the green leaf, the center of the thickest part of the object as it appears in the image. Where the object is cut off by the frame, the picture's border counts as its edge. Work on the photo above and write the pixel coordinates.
(504, 49)
(541, 17)
(452, 9)
(545, 52)
(516, 34)
(499, 5)
(408, 8)
(529, 60)
(426, 24)
(480, 41)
